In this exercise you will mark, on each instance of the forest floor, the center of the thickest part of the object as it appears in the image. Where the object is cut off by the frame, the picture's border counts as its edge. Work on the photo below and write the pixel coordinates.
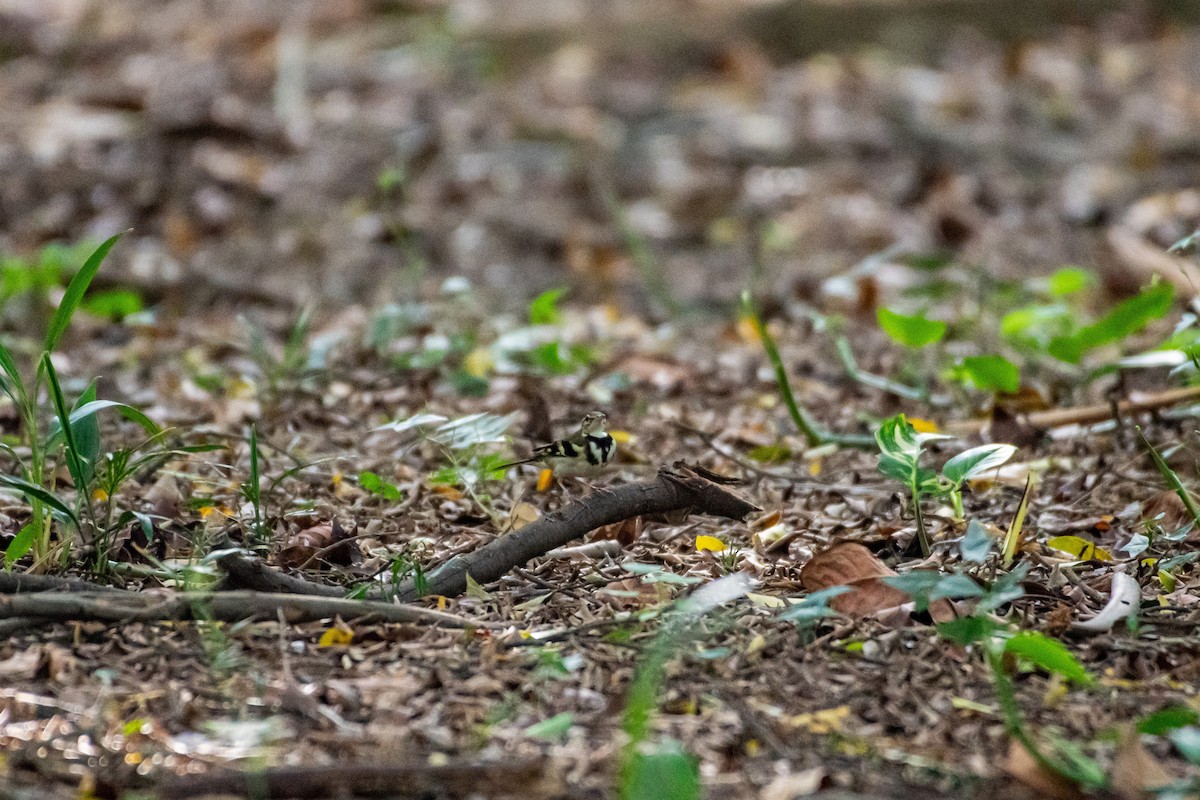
(339, 311)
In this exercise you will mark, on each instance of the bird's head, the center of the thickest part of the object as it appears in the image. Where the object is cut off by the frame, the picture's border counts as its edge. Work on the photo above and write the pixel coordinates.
(593, 421)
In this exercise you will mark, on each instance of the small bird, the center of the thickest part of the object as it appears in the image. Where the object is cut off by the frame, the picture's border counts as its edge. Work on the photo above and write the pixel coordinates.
(581, 453)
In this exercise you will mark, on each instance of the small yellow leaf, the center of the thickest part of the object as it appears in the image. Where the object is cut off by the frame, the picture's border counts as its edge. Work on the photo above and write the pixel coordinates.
(99, 495)
(765, 600)
(814, 467)
(622, 437)
(827, 720)
(335, 479)
(475, 590)
(545, 478)
(747, 331)
(479, 362)
(923, 425)
(1080, 548)
(336, 636)
(710, 543)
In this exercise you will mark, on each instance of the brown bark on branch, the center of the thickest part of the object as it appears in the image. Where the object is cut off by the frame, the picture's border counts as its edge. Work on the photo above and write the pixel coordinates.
(17, 583)
(223, 606)
(680, 490)
(508, 779)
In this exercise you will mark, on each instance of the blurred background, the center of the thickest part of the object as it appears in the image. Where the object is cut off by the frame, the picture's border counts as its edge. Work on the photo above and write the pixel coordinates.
(652, 155)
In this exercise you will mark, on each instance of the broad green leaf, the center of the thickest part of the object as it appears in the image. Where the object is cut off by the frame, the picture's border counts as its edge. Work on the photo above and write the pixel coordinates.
(1167, 719)
(89, 409)
(1049, 654)
(86, 429)
(900, 448)
(977, 461)
(990, 373)
(543, 310)
(21, 544)
(554, 728)
(976, 543)
(74, 293)
(114, 304)
(667, 773)
(911, 331)
(1070, 280)
(32, 490)
(1128, 317)
(968, 630)
(926, 586)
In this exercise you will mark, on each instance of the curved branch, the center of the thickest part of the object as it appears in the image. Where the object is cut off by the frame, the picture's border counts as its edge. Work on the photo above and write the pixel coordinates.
(680, 490)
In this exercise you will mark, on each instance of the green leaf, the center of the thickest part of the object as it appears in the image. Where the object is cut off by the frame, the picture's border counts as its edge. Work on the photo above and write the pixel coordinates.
(1128, 317)
(88, 409)
(543, 310)
(667, 773)
(21, 544)
(911, 331)
(900, 448)
(35, 492)
(113, 304)
(990, 373)
(926, 586)
(771, 453)
(813, 607)
(74, 293)
(12, 383)
(554, 728)
(1069, 280)
(1167, 719)
(1049, 654)
(967, 630)
(976, 543)
(86, 430)
(976, 461)
(77, 463)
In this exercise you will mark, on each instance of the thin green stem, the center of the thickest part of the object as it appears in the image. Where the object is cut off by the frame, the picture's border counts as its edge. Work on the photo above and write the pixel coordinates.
(814, 433)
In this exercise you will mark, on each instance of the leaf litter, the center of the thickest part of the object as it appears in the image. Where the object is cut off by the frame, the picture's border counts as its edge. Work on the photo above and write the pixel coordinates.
(854, 663)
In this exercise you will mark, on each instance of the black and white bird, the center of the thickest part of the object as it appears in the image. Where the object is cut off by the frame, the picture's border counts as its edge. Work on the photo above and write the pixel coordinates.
(582, 453)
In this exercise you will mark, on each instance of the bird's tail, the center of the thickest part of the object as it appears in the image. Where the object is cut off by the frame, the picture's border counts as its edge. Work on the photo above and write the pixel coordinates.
(515, 463)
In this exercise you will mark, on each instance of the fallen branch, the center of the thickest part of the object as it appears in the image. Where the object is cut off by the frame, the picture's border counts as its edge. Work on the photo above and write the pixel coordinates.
(670, 491)
(1086, 415)
(242, 572)
(223, 606)
(17, 583)
(509, 778)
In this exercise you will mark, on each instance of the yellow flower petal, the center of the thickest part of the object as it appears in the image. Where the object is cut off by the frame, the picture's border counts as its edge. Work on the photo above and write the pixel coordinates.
(710, 543)
(545, 478)
(923, 425)
(336, 636)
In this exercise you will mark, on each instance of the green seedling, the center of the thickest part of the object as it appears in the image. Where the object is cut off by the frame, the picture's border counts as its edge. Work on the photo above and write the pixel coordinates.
(666, 771)
(901, 448)
(376, 485)
(74, 428)
(916, 331)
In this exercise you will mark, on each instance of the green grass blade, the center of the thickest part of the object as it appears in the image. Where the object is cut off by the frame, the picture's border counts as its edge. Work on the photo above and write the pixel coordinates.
(75, 291)
(75, 461)
(35, 492)
(1169, 475)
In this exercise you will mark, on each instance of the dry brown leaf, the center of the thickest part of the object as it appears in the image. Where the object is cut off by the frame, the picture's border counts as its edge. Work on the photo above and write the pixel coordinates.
(795, 784)
(851, 564)
(1022, 766)
(1135, 772)
(624, 532)
(1169, 504)
(521, 515)
(303, 545)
